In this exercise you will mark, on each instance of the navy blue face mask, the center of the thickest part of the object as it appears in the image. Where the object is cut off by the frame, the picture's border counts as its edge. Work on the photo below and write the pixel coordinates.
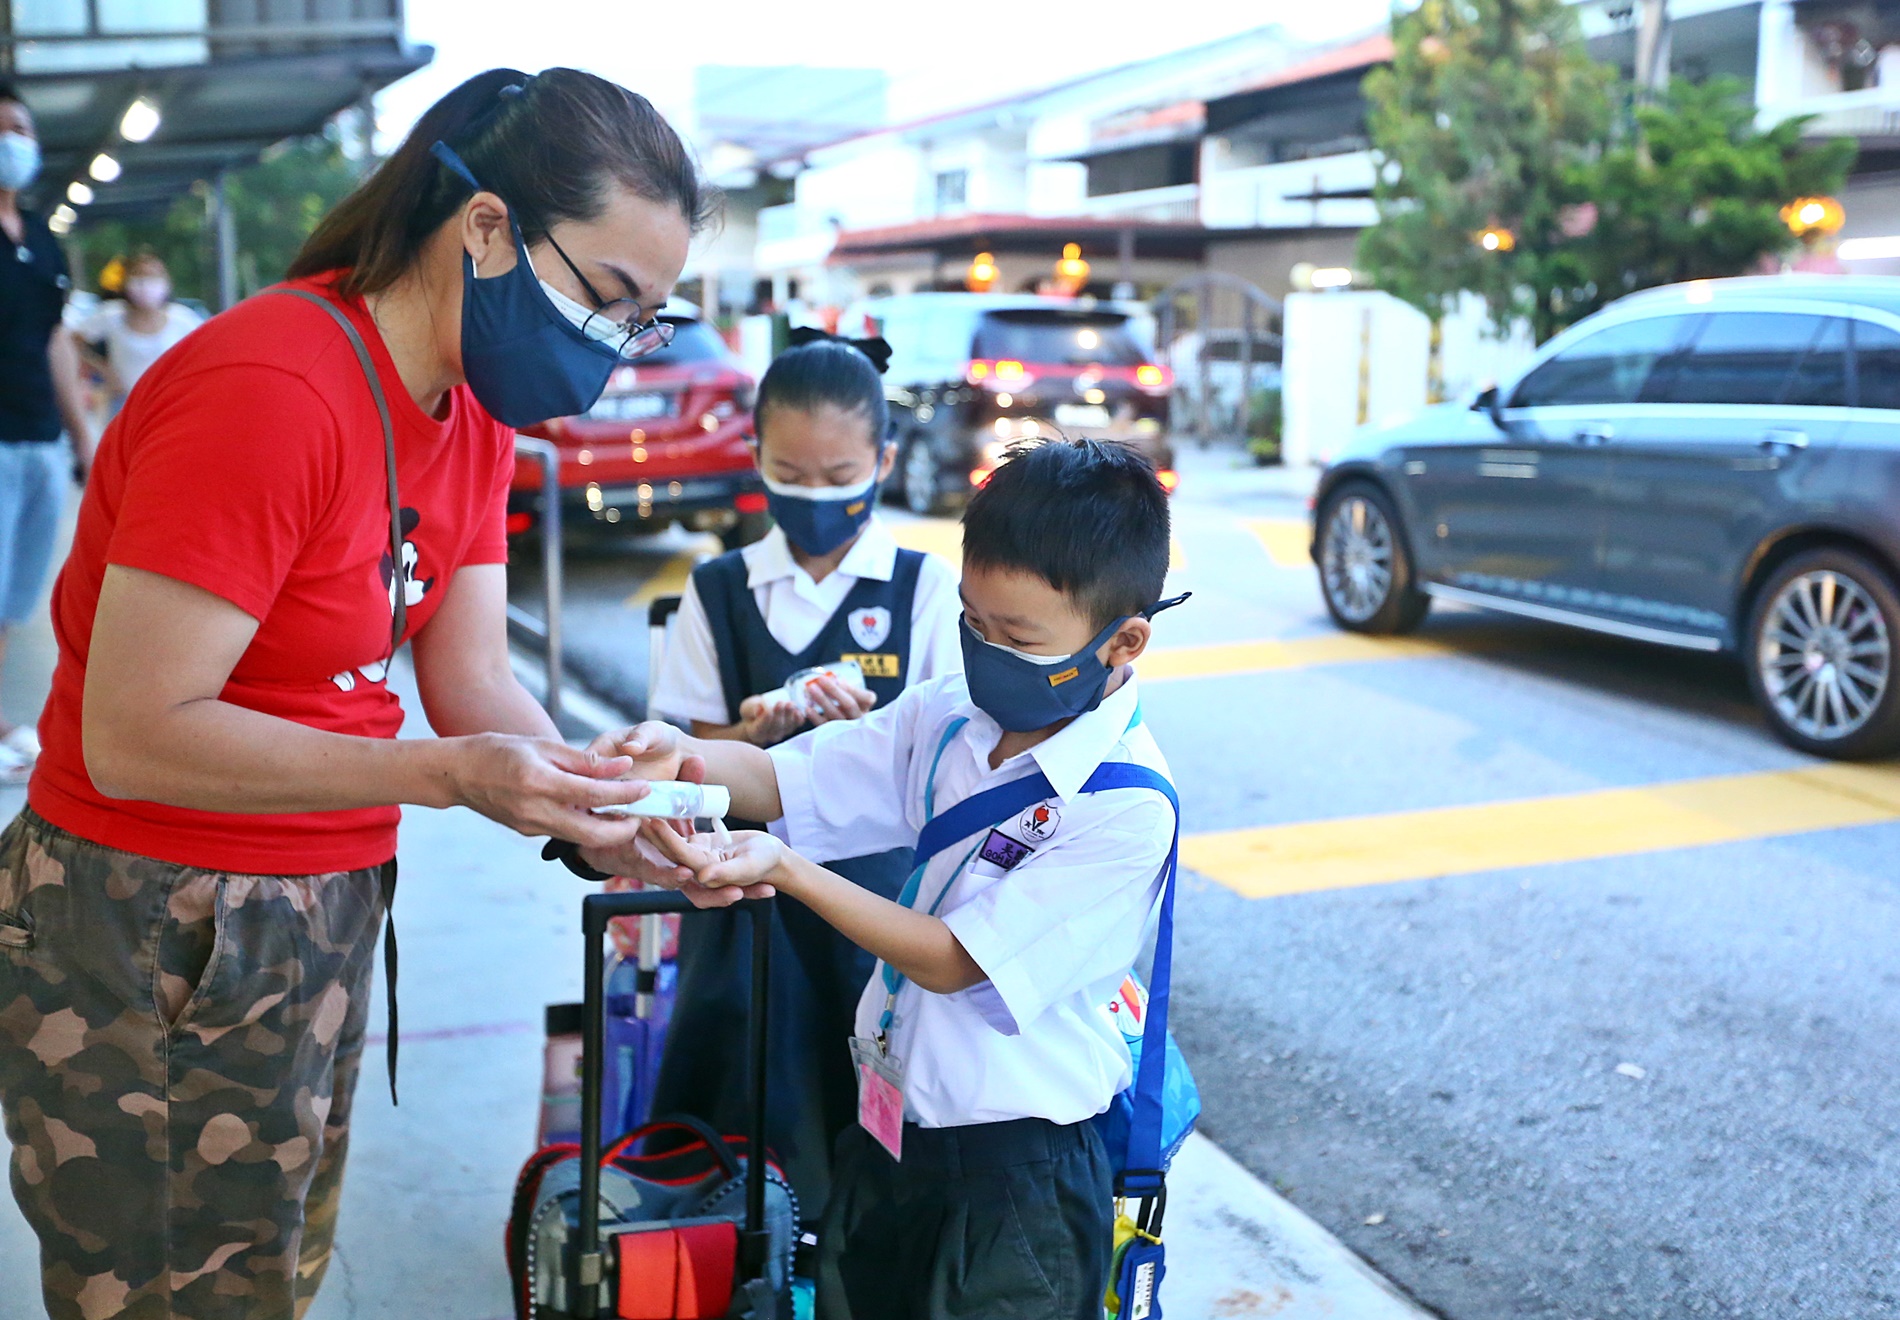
(819, 519)
(1023, 693)
(522, 355)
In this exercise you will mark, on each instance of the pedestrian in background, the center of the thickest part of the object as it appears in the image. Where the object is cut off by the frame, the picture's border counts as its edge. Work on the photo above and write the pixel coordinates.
(128, 334)
(40, 396)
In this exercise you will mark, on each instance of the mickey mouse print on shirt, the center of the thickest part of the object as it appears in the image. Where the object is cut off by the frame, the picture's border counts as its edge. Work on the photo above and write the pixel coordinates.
(414, 589)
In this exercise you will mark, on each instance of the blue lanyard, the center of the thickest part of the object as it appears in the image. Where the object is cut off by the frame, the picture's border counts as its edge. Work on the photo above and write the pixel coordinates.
(895, 980)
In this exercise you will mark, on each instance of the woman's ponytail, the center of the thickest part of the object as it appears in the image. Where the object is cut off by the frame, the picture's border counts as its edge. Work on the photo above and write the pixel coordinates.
(548, 144)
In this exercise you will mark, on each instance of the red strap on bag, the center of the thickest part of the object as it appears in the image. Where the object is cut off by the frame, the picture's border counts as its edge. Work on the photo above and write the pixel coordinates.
(677, 1273)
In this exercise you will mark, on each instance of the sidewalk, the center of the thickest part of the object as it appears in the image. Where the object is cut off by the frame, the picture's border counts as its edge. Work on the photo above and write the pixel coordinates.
(490, 934)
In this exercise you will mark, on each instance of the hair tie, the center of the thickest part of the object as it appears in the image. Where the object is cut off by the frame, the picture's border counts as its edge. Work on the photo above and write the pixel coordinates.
(876, 348)
(512, 90)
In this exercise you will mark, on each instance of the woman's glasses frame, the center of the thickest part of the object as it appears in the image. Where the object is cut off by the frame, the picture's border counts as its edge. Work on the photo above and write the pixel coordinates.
(635, 340)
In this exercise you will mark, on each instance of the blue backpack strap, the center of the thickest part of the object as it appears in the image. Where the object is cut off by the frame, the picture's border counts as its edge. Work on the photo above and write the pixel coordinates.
(1143, 1175)
(980, 812)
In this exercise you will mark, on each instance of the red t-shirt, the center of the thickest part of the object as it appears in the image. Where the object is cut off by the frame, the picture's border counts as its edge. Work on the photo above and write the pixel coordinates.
(249, 462)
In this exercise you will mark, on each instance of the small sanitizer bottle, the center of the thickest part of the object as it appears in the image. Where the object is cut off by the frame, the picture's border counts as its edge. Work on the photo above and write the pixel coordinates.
(673, 799)
(848, 672)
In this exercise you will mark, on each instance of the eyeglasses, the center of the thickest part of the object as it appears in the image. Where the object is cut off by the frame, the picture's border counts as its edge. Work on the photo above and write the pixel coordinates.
(612, 320)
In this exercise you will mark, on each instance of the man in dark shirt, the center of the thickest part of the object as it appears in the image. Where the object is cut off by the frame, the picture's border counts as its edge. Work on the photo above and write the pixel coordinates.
(39, 397)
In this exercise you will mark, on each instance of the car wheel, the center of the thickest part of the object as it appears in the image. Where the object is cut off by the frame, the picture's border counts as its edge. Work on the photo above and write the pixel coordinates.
(923, 476)
(1820, 650)
(746, 529)
(1365, 569)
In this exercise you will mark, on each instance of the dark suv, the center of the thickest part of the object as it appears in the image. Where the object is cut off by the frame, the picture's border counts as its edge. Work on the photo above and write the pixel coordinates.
(971, 373)
(1713, 465)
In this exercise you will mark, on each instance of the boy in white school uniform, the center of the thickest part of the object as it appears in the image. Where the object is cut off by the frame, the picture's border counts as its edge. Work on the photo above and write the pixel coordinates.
(984, 1026)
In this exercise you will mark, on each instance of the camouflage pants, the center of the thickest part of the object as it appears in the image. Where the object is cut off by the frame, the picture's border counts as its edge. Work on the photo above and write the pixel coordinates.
(178, 1050)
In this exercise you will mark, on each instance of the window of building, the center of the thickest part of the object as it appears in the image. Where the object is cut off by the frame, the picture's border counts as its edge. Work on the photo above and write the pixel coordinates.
(952, 191)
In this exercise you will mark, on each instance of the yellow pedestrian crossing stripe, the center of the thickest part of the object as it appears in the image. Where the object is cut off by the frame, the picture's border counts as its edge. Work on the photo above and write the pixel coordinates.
(1416, 845)
(1294, 653)
(1286, 540)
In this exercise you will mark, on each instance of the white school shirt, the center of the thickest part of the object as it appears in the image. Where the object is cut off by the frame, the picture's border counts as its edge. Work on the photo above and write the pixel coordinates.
(796, 609)
(1055, 935)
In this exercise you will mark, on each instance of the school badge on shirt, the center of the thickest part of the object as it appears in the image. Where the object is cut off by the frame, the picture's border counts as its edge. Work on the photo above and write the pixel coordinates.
(1040, 821)
(870, 626)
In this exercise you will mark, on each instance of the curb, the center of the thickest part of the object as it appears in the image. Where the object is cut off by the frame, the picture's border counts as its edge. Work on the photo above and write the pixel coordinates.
(1236, 1248)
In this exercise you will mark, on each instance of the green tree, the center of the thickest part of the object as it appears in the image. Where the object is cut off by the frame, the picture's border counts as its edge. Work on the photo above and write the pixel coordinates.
(1697, 193)
(1481, 122)
(275, 204)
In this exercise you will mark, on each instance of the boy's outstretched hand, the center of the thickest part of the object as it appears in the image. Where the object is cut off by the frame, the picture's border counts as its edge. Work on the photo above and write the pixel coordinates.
(748, 865)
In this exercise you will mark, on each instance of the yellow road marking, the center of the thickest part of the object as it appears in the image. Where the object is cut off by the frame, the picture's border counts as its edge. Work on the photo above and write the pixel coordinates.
(669, 581)
(1295, 653)
(1286, 540)
(1417, 845)
(944, 537)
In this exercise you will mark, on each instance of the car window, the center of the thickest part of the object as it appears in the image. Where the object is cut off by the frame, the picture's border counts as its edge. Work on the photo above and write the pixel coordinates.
(1736, 358)
(1820, 377)
(1058, 338)
(693, 342)
(1609, 366)
(1876, 365)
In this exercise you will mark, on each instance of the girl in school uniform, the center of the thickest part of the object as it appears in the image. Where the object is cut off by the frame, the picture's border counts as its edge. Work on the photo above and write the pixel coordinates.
(828, 583)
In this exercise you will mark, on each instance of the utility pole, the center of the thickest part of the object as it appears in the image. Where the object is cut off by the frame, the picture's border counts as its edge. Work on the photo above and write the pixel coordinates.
(1652, 49)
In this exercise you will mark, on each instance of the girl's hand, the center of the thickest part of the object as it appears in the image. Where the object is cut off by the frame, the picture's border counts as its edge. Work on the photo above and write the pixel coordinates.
(744, 871)
(832, 699)
(765, 724)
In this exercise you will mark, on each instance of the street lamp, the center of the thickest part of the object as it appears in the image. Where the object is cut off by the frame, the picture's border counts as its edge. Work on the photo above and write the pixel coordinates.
(982, 275)
(1807, 217)
(1496, 239)
(1072, 272)
(78, 193)
(104, 168)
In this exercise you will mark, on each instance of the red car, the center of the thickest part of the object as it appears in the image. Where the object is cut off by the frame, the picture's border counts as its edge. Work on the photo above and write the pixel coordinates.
(668, 442)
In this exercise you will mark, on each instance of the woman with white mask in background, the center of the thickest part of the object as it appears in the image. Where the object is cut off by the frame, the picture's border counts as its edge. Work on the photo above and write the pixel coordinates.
(130, 335)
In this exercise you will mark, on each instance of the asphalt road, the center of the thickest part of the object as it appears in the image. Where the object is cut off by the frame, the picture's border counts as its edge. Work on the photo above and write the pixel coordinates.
(1513, 956)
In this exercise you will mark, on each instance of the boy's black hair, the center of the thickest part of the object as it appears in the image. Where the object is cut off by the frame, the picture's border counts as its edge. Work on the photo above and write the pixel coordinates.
(10, 92)
(1088, 517)
(822, 369)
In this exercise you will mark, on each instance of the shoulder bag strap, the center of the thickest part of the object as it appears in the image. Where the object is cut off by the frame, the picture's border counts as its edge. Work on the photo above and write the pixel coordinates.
(400, 589)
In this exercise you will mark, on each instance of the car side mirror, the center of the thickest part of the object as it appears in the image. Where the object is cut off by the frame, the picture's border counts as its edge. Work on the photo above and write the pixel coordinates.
(1491, 406)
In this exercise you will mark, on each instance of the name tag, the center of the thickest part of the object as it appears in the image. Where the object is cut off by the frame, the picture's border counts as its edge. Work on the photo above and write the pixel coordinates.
(875, 665)
(1001, 850)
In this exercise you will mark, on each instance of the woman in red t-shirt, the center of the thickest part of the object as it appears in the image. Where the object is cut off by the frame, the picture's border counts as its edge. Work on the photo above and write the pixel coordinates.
(189, 905)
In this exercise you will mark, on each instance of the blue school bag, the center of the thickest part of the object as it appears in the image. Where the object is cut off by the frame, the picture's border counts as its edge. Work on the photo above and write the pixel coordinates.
(1145, 1124)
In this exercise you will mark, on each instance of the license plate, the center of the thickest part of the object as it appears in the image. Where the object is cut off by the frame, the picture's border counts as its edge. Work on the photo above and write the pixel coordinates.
(1081, 414)
(632, 407)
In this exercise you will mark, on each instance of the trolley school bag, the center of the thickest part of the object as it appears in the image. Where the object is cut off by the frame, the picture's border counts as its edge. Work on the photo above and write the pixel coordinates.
(1146, 1124)
(702, 1229)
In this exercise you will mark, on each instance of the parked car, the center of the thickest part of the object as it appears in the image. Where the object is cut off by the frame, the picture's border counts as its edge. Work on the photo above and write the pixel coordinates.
(1713, 465)
(973, 373)
(668, 442)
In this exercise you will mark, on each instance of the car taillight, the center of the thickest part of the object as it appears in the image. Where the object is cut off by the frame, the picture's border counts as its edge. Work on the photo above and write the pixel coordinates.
(1153, 379)
(1003, 373)
(751, 502)
(518, 523)
(979, 477)
(1169, 479)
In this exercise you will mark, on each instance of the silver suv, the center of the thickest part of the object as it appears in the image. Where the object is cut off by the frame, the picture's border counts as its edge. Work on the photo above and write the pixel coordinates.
(1712, 465)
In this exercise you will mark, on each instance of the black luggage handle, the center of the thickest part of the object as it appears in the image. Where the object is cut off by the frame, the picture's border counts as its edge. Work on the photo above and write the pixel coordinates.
(596, 911)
